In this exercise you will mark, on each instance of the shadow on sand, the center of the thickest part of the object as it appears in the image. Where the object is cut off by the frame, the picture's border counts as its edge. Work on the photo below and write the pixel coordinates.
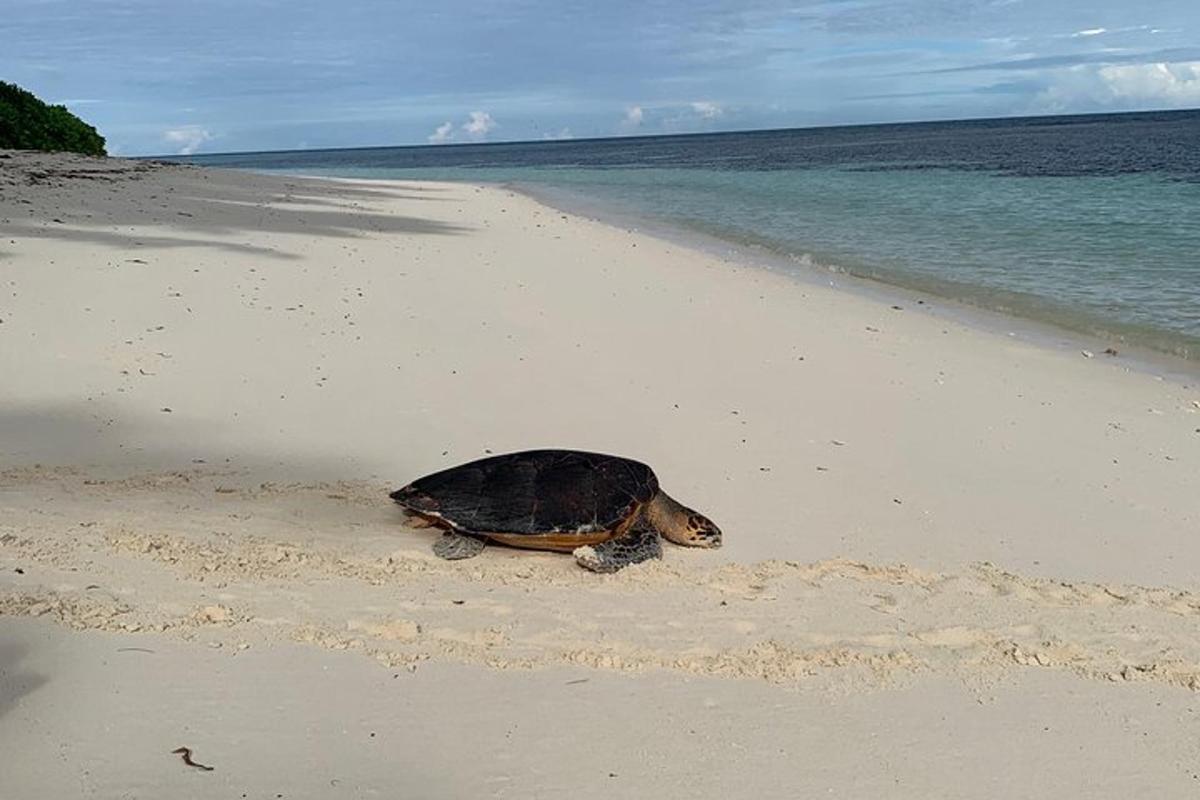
(14, 682)
(104, 440)
(114, 202)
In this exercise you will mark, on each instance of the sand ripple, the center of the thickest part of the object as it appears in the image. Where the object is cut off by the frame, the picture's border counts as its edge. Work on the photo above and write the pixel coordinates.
(204, 557)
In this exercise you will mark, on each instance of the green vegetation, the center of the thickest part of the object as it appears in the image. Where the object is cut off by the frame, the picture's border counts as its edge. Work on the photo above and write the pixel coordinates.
(26, 123)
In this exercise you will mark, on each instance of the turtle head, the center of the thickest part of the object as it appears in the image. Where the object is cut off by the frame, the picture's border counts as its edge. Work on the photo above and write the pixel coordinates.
(682, 525)
(701, 531)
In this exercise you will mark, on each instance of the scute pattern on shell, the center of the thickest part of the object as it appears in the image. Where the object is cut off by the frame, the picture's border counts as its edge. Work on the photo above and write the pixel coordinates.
(534, 492)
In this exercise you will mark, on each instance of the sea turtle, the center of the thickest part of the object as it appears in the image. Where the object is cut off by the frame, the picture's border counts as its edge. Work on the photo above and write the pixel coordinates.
(607, 510)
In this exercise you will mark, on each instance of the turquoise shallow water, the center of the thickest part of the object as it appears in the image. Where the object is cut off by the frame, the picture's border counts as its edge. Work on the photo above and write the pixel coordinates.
(1092, 226)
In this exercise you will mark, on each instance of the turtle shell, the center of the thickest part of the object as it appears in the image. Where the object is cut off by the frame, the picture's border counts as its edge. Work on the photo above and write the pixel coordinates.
(534, 493)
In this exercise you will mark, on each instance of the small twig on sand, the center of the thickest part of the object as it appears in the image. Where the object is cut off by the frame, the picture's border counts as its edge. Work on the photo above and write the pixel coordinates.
(186, 752)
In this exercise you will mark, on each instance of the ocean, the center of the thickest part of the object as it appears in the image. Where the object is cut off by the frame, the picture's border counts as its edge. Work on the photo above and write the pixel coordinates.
(1090, 223)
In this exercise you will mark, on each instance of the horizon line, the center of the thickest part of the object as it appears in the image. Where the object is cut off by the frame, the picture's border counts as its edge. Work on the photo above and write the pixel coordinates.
(743, 131)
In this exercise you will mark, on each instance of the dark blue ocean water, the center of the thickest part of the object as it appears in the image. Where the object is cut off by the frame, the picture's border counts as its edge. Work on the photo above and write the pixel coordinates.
(1089, 222)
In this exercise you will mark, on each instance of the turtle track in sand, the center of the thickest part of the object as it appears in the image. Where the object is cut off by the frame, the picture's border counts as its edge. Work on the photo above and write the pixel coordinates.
(209, 557)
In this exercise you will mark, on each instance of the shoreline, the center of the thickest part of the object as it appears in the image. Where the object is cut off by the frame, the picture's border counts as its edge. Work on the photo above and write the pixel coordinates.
(1038, 330)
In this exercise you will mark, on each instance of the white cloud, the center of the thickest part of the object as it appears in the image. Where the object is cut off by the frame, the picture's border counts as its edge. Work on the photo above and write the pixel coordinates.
(565, 133)
(1089, 32)
(1174, 84)
(443, 134)
(672, 117)
(697, 115)
(1124, 86)
(633, 117)
(479, 125)
(189, 138)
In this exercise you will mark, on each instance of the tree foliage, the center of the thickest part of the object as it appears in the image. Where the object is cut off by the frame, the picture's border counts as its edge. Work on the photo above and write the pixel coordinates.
(26, 123)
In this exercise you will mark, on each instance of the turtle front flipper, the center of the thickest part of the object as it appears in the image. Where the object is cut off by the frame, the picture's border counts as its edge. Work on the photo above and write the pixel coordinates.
(640, 543)
(454, 546)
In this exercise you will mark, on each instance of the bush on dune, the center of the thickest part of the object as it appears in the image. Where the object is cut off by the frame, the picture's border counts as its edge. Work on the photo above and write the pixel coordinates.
(26, 123)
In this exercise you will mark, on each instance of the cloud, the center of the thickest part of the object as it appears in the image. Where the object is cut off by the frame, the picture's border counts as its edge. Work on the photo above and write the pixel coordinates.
(1173, 84)
(671, 117)
(1089, 32)
(565, 133)
(443, 134)
(479, 125)
(1162, 84)
(1072, 59)
(707, 109)
(1029, 87)
(189, 138)
(694, 116)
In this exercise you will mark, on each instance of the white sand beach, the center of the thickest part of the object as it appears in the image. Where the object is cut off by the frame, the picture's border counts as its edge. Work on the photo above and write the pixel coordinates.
(957, 562)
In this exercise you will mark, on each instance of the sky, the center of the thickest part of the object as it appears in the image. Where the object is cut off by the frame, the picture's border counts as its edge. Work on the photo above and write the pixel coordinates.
(169, 76)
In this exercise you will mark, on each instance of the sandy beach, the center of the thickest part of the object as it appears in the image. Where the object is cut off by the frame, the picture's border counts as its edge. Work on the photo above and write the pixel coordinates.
(957, 563)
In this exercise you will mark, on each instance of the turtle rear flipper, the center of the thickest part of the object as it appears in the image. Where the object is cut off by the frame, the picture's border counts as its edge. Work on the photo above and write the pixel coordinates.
(454, 546)
(640, 543)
